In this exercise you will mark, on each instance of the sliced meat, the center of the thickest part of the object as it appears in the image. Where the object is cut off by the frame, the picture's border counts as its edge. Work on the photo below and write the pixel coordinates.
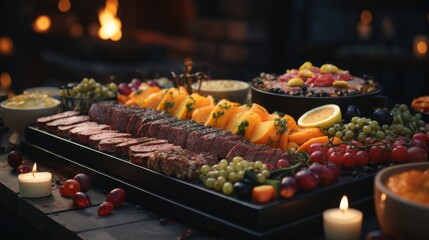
(207, 140)
(274, 157)
(53, 126)
(122, 148)
(263, 154)
(193, 141)
(141, 148)
(153, 129)
(109, 145)
(163, 129)
(74, 132)
(251, 153)
(184, 132)
(42, 121)
(179, 163)
(141, 158)
(216, 147)
(63, 131)
(227, 146)
(239, 149)
(95, 139)
(174, 131)
(83, 137)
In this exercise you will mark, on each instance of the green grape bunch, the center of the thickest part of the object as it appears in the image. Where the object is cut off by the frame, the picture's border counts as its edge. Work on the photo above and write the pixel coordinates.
(90, 88)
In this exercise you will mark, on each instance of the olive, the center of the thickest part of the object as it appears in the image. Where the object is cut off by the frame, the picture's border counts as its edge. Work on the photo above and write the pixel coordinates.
(351, 111)
(243, 189)
(382, 116)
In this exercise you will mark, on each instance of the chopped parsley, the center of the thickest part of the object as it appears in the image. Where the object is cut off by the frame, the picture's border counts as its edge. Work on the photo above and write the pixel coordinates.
(241, 129)
(280, 125)
(169, 105)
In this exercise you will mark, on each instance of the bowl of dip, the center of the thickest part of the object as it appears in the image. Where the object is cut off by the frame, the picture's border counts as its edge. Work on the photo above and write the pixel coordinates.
(401, 198)
(233, 90)
(22, 110)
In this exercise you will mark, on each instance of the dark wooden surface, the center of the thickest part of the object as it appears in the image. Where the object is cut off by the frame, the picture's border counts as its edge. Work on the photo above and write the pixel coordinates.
(55, 217)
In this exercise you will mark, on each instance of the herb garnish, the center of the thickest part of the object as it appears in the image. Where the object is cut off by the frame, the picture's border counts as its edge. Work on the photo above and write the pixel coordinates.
(241, 129)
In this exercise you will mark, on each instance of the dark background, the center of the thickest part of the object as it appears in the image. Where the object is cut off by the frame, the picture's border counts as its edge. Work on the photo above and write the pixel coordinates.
(235, 39)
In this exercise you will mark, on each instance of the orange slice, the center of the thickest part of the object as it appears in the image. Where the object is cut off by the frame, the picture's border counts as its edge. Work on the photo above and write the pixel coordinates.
(222, 113)
(302, 135)
(153, 100)
(261, 111)
(193, 102)
(201, 114)
(265, 133)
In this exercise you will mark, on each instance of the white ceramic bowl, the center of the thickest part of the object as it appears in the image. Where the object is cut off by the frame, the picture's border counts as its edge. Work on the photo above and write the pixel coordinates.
(18, 118)
(400, 218)
(233, 90)
(50, 91)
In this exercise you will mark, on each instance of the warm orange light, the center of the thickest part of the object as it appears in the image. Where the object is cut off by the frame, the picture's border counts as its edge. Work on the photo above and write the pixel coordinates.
(64, 5)
(344, 204)
(110, 23)
(5, 80)
(34, 168)
(422, 47)
(366, 17)
(76, 30)
(6, 46)
(42, 24)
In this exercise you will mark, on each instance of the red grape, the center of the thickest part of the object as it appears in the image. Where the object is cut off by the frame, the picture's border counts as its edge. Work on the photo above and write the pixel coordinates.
(124, 89)
(420, 144)
(116, 196)
(14, 159)
(22, 169)
(376, 154)
(318, 157)
(336, 149)
(84, 181)
(422, 137)
(335, 170)
(81, 200)
(400, 154)
(362, 158)
(399, 142)
(288, 187)
(416, 154)
(325, 174)
(153, 83)
(105, 209)
(282, 163)
(306, 179)
(349, 160)
(69, 188)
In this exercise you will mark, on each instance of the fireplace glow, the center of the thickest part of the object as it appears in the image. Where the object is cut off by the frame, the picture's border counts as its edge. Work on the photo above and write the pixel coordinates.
(64, 5)
(110, 23)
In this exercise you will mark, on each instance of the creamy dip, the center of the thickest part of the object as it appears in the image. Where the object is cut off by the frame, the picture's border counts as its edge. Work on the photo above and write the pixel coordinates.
(30, 100)
(222, 85)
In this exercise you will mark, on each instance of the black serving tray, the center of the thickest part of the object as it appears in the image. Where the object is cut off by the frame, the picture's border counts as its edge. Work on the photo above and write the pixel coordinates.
(243, 213)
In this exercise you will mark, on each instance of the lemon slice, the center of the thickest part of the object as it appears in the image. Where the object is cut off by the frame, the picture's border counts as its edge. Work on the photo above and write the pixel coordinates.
(324, 116)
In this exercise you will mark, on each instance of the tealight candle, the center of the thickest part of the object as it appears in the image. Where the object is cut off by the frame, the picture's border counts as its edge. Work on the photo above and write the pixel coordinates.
(342, 223)
(35, 184)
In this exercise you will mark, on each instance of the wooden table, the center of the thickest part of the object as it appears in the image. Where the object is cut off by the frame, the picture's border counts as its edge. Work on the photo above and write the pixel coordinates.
(55, 217)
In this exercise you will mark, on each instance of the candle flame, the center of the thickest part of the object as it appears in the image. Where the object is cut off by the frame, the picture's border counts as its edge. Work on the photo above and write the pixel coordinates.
(110, 23)
(34, 168)
(344, 204)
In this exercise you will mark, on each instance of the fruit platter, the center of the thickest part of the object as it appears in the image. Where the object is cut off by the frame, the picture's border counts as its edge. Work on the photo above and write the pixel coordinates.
(265, 173)
(310, 86)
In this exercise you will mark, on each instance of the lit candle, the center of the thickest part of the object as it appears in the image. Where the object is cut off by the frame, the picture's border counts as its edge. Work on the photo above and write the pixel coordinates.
(342, 223)
(35, 184)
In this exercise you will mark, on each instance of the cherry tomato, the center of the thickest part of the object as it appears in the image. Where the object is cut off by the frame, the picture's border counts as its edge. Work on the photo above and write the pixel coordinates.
(349, 160)
(362, 158)
(399, 154)
(336, 158)
(376, 154)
